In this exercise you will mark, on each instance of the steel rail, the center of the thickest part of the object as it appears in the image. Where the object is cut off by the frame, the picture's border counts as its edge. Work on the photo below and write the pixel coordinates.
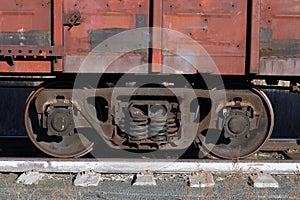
(50, 165)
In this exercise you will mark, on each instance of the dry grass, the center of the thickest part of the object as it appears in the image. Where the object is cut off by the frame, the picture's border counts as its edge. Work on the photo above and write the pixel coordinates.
(236, 186)
(67, 191)
(296, 193)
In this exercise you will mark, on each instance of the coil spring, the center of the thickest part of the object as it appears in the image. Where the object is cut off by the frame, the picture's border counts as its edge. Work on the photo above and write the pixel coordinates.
(138, 128)
(162, 128)
(172, 125)
(158, 129)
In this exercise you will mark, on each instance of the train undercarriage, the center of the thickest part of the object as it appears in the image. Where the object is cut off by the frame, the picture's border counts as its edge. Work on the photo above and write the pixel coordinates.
(229, 121)
(150, 76)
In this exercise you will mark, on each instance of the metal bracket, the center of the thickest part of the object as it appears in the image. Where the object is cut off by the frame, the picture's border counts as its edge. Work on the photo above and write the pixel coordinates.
(72, 19)
(41, 51)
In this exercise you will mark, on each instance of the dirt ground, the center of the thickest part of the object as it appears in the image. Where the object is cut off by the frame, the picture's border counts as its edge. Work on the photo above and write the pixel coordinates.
(118, 186)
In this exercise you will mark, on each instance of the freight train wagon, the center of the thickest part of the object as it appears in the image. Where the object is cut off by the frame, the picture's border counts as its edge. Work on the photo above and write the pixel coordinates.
(149, 75)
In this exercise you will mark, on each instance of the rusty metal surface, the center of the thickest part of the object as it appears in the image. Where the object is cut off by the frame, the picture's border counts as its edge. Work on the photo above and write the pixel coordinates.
(111, 121)
(146, 119)
(280, 66)
(57, 32)
(279, 37)
(38, 51)
(32, 38)
(280, 27)
(254, 41)
(22, 17)
(27, 36)
(51, 128)
(28, 59)
(33, 66)
(86, 24)
(148, 122)
(246, 122)
(219, 26)
(99, 20)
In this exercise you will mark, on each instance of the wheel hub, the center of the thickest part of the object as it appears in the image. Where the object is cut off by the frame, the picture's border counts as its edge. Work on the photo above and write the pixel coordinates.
(237, 123)
(244, 123)
(60, 121)
(49, 122)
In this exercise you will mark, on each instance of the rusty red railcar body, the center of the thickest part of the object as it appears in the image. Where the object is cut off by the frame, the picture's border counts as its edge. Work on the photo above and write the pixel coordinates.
(243, 40)
(60, 34)
(279, 38)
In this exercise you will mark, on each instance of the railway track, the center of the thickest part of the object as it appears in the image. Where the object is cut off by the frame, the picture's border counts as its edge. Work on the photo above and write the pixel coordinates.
(284, 159)
(120, 166)
(150, 178)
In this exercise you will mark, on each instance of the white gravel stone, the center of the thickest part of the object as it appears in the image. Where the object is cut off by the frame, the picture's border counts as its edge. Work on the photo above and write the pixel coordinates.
(30, 178)
(86, 179)
(201, 180)
(219, 179)
(262, 180)
(141, 179)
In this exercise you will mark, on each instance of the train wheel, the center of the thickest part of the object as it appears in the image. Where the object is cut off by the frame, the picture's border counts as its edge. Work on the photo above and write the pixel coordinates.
(51, 126)
(245, 122)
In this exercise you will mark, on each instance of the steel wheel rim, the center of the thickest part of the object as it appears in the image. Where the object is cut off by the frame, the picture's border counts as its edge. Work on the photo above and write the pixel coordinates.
(33, 136)
(270, 113)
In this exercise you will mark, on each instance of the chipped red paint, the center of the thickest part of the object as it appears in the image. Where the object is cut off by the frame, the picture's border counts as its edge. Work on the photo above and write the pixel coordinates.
(218, 26)
(65, 31)
(255, 22)
(101, 19)
(279, 38)
(26, 67)
(58, 39)
(25, 15)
